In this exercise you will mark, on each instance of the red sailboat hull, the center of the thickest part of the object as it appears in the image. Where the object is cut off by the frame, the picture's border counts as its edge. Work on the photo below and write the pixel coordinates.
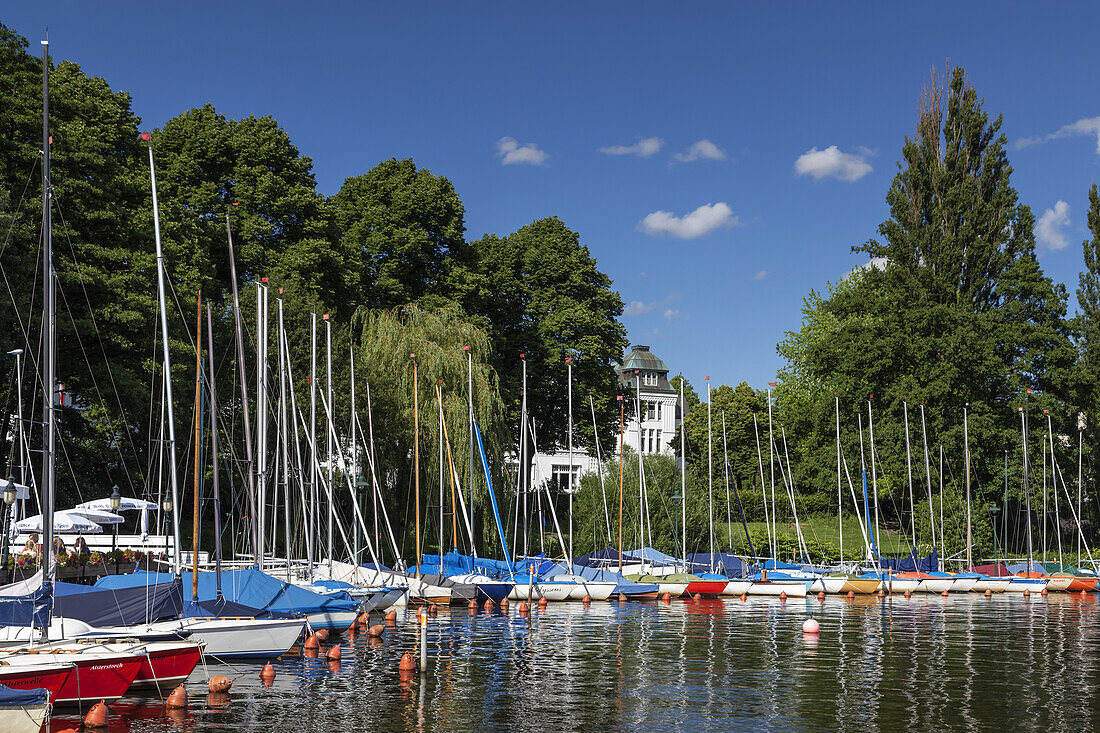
(710, 588)
(98, 675)
(167, 667)
(51, 677)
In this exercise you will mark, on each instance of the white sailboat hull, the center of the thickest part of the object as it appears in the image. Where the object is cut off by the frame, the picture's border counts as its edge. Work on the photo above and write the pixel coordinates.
(993, 585)
(774, 588)
(737, 587)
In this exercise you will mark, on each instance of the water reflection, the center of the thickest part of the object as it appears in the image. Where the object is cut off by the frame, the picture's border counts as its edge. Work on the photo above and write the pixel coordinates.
(921, 663)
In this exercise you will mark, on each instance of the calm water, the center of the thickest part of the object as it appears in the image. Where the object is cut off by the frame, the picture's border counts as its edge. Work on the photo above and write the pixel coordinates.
(923, 663)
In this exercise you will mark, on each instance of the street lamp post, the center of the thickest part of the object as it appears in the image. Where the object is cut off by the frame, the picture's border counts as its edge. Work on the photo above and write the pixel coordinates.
(9, 499)
(116, 502)
(166, 508)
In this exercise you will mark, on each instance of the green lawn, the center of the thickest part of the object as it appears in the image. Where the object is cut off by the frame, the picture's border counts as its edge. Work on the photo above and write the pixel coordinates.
(826, 529)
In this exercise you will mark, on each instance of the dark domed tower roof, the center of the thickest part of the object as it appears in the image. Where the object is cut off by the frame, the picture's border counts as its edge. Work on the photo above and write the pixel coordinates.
(641, 359)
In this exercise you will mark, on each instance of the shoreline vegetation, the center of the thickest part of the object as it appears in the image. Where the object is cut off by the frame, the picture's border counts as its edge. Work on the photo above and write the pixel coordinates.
(952, 312)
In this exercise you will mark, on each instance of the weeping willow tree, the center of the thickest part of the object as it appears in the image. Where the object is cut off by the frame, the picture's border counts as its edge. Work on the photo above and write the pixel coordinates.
(443, 347)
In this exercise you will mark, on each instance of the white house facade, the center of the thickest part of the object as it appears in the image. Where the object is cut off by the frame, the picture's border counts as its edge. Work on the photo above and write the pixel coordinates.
(650, 430)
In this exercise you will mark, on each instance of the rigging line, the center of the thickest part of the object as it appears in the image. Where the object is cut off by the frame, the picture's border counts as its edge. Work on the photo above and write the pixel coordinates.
(99, 394)
(99, 340)
(7, 239)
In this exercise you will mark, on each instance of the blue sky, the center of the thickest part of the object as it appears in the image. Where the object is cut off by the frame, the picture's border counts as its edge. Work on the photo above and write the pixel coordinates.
(691, 145)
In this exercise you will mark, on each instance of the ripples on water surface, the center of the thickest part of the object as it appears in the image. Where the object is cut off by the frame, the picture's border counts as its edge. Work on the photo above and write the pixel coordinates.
(924, 663)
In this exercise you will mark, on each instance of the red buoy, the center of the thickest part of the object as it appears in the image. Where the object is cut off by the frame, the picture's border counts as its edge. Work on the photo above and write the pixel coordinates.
(782, 595)
(587, 599)
(697, 597)
(391, 618)
(408, 662)
(667, 597)
(97, 716)
(488, 606)
(321, 634)
(851, 595)
(376, 631)
(312, 643)
(504, 603)
(220, 683)
(267, 674)
(821, 596)
(334, 653)
(472, 605)
(177, 699)
(542, 602)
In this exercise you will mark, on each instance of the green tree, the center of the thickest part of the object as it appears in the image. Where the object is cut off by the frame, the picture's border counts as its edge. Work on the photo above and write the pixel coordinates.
(545, 297)
(955, 312)
(404, 228)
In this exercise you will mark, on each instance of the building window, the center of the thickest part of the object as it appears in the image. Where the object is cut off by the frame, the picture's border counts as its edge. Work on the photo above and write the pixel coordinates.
(651, 431)
(649, 379)
(561, 476)
(651, 409)
(658, 441)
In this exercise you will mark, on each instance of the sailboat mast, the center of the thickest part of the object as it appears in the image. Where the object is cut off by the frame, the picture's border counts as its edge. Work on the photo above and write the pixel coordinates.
(966, 444)
(198, 452)
(569, 393)
(710, 480)
(641, 446)
(470, 409)
(214, 449)
(928, 474)
(525, 465)
(683, 471)
(599, 469)
(874, 473)
(313, 474)
(839, 487)
(909, 468)
(763, 486)
(726, 480)
(771, 468)
(1054, 478)
(49, 359)
(165, 358)
(328, 432)
(250, 464)
(285, 435)
(261, 419)
(1027, 491)
(622, 448)
(416, 460)
(1080, 453)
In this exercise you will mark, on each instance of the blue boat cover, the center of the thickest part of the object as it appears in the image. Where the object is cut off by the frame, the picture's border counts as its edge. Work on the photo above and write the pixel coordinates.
(910, 564)
(454, 563)
(1021, 567)
(605, 558)
(729, 565)
(780, 565)
(10, 698)
(31, 608)
(248, 587)
(222, 608)
(119, 606)
(650, 555)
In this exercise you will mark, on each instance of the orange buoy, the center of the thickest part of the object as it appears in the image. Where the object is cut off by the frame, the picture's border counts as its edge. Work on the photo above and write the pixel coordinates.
(696, 597)
(523, 607)
(667, 597)
(312, 643)
(177, 699)
(391, 618)
(989, 593)
(542, 602)
(622, 598)
(944, 594)
(821, 595)
(334, 653)
(433, 610)
(97, 716)
(419, 613)
(220, 683)
(364, 620)
(851, 595)
(1026, 593)
(376, 631)
(881, 593)
(1082, 592)
(908, 593)
(504, 602)
(744, 597)
(334, 666)
(1043, 592)
(267, 674)
(782, 595)
(488, 605)
(587, 599)
(69, 730)
(472, 605)
(408, 662)
(310, 653)
(321, 634)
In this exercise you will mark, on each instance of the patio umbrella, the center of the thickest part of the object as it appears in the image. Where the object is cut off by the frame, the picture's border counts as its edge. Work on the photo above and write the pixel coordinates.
(61, 523)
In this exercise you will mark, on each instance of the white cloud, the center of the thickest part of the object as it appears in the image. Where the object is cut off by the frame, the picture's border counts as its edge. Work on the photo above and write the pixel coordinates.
(875, 263)
(1050, 229)
(761, 275)
(671, 314)
(643, 148)
(833, 163)
(638, 308)
(702, 150)
(704, 220)
(1089, 126)
(513, 153)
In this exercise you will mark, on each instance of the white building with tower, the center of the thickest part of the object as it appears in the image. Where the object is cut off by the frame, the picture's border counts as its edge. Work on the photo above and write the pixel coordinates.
(649, 430)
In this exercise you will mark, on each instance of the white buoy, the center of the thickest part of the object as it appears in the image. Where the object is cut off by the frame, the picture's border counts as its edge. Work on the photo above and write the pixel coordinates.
(811, 627)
